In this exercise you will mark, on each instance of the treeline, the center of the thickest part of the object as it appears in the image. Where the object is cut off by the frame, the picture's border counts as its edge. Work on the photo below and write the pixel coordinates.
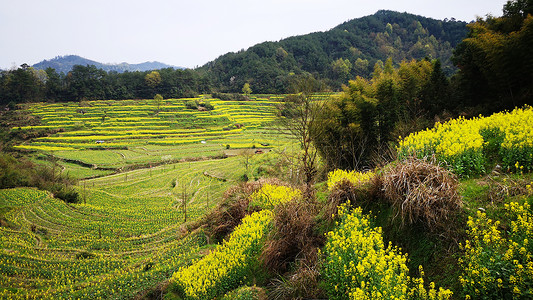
(355, 130)
(27, 84)
(496, 59)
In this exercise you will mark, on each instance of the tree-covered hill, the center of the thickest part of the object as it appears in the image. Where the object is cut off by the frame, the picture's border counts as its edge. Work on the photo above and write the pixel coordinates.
(350, 49)
(66, 63)
(330, 59)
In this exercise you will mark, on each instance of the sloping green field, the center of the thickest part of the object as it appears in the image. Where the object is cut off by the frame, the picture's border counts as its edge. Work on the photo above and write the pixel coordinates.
(125, 236)
(122, 124)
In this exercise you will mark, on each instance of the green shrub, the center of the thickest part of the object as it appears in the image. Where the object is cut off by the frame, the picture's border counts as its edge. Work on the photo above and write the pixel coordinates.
(207, 105)
(191, 104)
(68, 195)
(21, 172)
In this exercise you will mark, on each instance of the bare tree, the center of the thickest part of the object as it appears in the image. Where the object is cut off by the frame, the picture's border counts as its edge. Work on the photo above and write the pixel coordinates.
(298, 115)
(246, 157)
(184, 197)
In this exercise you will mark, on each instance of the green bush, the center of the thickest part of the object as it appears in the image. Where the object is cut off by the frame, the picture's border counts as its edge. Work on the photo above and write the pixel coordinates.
(191, 104)
(21, 172)
(207, 105)
(68, 195)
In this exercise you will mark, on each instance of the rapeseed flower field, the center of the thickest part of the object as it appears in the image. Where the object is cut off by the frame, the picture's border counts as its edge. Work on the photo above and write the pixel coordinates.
(460, 143)
(359, 265)
(354, 177)
(226, 267)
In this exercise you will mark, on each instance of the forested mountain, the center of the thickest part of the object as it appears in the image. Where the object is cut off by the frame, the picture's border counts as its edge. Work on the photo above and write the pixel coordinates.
(66, 63)
(330, 59)
(350, 49)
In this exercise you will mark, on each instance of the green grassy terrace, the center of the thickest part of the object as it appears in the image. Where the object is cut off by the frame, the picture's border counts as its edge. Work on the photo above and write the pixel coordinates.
(94, 138)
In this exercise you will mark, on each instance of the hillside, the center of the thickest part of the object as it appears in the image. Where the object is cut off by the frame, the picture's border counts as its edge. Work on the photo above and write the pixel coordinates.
(409, 184)
(195, 229)
(65, 63)
(348, 50)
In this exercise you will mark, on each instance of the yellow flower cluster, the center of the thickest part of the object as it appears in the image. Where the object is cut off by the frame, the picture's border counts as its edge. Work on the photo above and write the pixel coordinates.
(42, 148)
(460, 142)
(498, 265)
(517, 146)
(359, 265)
(354, 177)
(225, 267)
(270, 195)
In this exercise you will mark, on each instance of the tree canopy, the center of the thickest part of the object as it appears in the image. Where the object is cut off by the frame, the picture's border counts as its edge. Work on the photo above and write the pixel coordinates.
(348, 50)
(370, 113)
(25, 84)
(496, 60)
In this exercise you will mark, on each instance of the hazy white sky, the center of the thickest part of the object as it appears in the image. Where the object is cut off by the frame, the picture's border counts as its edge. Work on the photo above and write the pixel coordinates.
(185, 33)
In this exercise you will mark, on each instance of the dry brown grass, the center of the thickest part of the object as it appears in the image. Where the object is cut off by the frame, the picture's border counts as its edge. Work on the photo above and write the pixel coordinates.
(233, 208)
(293, 236)
(303, 283)
(343, 192)
(362, 194)
(421, 191)
(508, 187)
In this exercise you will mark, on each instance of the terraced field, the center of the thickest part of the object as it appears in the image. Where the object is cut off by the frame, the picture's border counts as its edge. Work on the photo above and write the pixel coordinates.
(121, 124)
(144, 168)
(116, 135)
(124, 238)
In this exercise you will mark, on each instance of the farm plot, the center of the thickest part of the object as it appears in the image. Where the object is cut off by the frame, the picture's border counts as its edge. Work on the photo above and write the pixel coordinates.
(119, 134)
(116, 124)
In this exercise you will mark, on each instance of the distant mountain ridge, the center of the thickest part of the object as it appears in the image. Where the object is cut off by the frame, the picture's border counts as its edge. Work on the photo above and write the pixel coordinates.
(65, 63)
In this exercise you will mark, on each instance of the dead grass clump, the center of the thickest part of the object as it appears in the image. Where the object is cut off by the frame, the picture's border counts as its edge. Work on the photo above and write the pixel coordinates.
(500, 189)
(293, 236)
(233, 208)
(421, 192)
(303, 283)
(343, 192)
(362, 194)
(155, 293)
(229, 213)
